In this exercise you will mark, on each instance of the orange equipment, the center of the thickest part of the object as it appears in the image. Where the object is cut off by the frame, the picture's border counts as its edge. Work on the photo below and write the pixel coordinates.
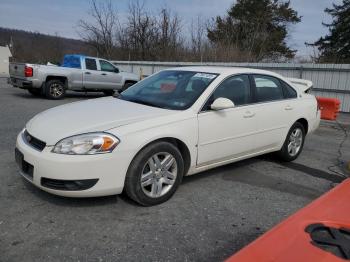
(318, 232)
(329, 107)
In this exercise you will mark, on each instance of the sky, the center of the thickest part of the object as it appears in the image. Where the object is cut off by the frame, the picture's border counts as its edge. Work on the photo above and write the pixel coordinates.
(62, 16)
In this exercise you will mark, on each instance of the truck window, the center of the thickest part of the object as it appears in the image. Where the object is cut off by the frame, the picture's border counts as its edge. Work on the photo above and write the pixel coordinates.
(90, 64)
(105, 66)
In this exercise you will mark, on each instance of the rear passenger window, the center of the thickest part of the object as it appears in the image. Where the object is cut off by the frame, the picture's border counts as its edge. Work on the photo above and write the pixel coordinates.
(288, 91)
(90, 64)
(267, 88)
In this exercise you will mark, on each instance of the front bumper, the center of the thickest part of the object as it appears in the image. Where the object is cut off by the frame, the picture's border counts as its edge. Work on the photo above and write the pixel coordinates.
(107, 170)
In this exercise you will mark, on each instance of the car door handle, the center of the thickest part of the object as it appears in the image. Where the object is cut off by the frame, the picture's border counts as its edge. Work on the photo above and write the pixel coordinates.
(104, 74)
(248, 114)
(87, 73)
(288, 107)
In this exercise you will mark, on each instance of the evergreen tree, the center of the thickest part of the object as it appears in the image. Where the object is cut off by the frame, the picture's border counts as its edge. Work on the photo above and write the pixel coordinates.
(335, 46)
(256, 28)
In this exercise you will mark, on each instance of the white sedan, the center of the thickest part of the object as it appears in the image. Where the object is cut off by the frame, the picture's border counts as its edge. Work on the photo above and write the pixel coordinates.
(177, 122)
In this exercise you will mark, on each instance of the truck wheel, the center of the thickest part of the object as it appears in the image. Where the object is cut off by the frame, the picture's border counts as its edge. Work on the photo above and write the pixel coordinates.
(108, 92)
(35, 91)
(54, 89)
(127, 85)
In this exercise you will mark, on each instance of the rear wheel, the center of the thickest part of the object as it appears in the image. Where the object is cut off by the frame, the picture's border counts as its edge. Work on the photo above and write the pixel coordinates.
(55, 89)
(294, 143)
(35, 91)
(154, 174)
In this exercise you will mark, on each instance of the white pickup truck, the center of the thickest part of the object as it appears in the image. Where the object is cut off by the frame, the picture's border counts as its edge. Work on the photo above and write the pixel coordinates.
(77, 73)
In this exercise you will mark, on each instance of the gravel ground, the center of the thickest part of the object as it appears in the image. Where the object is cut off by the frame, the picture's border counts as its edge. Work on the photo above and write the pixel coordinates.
(212, 215)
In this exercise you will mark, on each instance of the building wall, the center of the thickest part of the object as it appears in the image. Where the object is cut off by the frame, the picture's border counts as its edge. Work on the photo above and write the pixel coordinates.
(5, 55)
(330, 80)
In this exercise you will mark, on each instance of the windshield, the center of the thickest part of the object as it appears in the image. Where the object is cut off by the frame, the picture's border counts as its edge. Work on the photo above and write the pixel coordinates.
(176, 90)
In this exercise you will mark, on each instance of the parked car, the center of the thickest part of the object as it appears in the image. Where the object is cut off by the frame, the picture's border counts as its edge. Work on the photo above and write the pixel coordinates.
(177, 122)
(77, 73)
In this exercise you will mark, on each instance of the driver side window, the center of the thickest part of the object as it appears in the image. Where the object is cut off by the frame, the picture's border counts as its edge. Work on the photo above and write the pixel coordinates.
(107, 67)
(235, 88)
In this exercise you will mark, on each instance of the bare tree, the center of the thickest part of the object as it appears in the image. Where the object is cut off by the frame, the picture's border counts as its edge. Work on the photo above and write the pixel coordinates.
(170, 40)
(141, 32)
(146, 36)
(199, 40)
(100, 33)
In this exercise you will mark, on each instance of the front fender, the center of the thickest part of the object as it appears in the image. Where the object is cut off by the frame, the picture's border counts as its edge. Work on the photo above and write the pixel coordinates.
(133, 142)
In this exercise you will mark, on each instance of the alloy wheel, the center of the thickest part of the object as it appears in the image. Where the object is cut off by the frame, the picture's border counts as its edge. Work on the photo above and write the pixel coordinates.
(159, 174)
(295, 142)
(56, 90)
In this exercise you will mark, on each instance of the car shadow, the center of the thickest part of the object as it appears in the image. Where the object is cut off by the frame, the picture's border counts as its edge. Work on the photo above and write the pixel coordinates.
(241, 172)
(236, 172)
(219, 170)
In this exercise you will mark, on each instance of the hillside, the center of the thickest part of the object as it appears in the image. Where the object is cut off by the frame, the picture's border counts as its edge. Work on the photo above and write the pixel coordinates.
(35, 47)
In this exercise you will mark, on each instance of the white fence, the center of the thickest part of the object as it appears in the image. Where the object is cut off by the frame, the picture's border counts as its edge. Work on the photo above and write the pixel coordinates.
(330, 80)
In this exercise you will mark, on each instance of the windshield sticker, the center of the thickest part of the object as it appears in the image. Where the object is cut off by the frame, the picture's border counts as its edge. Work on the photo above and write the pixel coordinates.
(204, 75)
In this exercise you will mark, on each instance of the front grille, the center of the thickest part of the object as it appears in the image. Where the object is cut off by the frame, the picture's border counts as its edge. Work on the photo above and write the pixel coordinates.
(26, 168)
(33, 141)
(68, 185)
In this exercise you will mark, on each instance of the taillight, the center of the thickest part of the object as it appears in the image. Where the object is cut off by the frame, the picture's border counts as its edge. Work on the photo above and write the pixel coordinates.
(28, 71)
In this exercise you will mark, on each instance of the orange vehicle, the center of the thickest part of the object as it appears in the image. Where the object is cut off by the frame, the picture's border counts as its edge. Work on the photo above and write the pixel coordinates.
(319, 232)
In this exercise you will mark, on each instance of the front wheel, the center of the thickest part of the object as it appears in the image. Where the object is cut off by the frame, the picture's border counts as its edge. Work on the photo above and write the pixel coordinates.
(54, 89)
(154, 174)
(293, 144)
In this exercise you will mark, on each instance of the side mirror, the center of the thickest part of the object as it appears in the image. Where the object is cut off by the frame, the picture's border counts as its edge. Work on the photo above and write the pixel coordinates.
(222, 103)
(116, 70)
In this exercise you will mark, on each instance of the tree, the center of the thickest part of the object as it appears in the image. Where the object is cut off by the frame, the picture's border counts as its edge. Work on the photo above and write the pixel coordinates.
(101, 32)
(335, 46)
(141, 33)
(170, 41)
(146, 36)
(198, 38)
(255, 30)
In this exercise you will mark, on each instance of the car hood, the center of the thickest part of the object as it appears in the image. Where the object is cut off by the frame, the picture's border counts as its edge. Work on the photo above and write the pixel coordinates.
(93, 115)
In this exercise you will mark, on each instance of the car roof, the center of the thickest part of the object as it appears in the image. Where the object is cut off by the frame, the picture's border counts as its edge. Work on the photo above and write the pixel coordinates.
(224, 70)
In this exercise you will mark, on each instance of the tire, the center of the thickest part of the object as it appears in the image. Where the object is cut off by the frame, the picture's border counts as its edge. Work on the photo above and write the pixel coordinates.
(108, 92)
(35, 91)
(157, 186)
(55, 89)
(292, 149)
(127, 85)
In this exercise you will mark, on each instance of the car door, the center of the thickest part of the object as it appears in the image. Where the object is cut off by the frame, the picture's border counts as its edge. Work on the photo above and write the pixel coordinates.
(91, 74)
(274, 113)
(227, 133)
(109, 77)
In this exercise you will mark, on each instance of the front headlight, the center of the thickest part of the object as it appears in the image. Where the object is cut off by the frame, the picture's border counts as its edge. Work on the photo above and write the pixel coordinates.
(86, 144)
